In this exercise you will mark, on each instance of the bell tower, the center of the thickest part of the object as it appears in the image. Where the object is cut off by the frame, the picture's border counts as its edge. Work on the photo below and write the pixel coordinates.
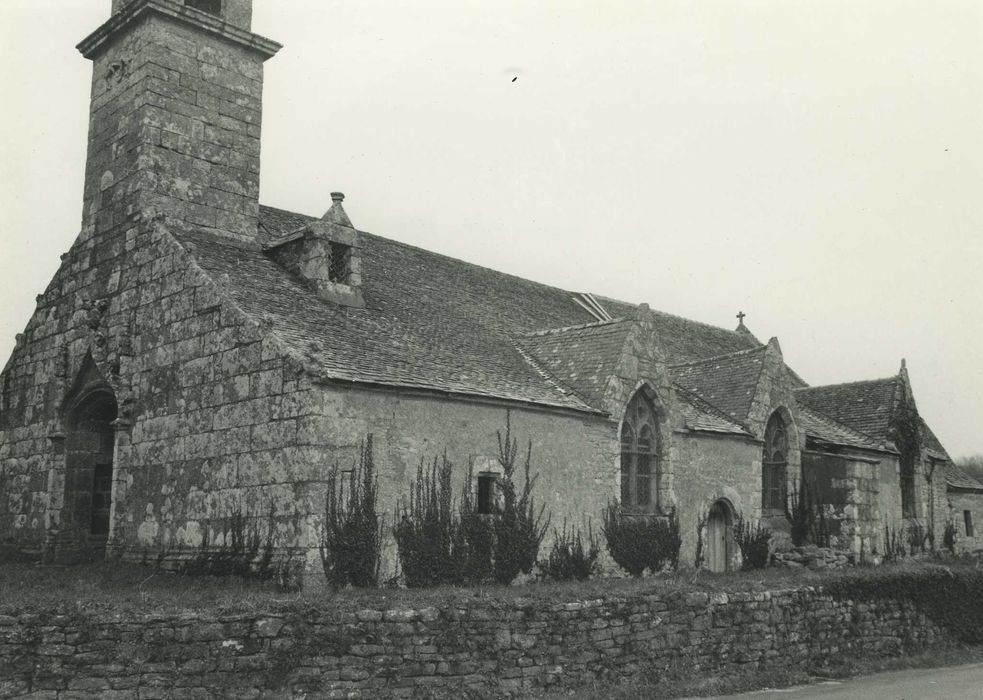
(175, 117)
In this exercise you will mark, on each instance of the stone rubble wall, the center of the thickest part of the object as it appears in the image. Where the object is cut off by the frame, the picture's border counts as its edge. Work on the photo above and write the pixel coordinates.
(505, 647)
(813, 558)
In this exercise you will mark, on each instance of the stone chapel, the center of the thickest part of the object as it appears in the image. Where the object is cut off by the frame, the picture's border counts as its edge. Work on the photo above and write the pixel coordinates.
(199, 354)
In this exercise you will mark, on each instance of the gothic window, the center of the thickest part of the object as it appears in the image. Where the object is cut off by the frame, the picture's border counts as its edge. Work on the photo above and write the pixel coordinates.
(640, 468)
(774, 465)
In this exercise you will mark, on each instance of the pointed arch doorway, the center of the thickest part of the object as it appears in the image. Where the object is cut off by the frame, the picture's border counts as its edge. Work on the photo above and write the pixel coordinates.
(720, 536)
(90, 415)
(89, 462)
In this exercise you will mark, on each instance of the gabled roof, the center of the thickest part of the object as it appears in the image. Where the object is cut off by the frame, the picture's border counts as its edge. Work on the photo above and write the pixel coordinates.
(958, 478)
(583, 357)
(826, 429)
(864, 406)
(433, 322)
(727, 382)
(704, 417)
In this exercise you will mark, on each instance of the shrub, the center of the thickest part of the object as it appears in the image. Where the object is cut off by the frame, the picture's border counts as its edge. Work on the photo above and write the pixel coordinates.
(917, 535)
(236, 555)
(427, 533)
(949, 537)
(894, 547)
(948, 597)
(640, 542)
(754, 541)
(519, 528)
(807, 514)
(351, 535)
(476, 538)
(569, 559)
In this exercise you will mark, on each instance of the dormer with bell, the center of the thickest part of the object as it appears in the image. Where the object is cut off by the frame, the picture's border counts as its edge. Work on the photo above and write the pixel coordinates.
(326, 254)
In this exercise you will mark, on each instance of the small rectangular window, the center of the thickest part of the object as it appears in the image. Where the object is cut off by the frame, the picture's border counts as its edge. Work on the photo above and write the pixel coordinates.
(968, 519)
(486, 494)
(212, 7)
(340, 266)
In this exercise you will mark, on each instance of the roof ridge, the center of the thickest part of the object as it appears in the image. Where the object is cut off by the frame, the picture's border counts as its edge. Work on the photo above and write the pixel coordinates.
(701, 323)
(746, 351)
(517, 277)
(859, 381)
(579, 326)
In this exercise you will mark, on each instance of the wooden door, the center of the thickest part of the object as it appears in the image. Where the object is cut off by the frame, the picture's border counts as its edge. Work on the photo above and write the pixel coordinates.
(718, 538)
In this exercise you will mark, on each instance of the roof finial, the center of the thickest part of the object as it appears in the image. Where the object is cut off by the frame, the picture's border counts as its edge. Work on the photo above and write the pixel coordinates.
(740, 317)
(336, 214)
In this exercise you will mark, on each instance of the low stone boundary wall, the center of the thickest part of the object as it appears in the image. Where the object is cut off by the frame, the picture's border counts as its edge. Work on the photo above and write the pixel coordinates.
(498, 646)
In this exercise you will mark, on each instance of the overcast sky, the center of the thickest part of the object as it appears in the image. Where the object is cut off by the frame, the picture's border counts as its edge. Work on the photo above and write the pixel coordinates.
(816, 164)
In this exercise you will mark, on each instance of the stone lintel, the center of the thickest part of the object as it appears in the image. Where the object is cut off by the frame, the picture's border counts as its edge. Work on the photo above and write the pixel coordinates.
(103, 37)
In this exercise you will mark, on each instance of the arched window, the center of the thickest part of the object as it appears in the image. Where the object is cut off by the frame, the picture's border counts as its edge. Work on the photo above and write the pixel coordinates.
(774, 465)
(640, 469)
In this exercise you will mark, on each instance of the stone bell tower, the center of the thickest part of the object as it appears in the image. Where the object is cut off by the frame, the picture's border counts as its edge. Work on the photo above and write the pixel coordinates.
(175, 117)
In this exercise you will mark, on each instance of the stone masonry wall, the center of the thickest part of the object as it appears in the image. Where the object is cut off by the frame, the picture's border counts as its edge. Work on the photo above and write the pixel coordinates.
(503, 647)
(960, 502)
(707, 469)
(574, 457)
(206, 395)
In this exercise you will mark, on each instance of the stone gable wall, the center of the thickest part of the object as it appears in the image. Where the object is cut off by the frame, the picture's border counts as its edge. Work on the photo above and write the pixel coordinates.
(217, 412)
(498, 646)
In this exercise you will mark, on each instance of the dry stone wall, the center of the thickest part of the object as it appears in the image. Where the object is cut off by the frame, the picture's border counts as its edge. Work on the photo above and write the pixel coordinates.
(500, 647)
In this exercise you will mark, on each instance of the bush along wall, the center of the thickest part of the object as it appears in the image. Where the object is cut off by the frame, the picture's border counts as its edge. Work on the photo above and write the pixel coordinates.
(496, 645)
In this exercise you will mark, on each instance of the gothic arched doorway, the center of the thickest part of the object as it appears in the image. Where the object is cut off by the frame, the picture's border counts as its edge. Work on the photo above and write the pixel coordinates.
(89, 466)
(720, 537)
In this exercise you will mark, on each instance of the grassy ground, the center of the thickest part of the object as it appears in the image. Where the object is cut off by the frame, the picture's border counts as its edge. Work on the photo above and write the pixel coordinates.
(27, 586)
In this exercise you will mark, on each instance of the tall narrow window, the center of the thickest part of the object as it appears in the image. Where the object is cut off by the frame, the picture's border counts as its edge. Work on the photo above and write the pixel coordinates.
(908, 509)
(968, 521)
(774, 465)
(640, 468)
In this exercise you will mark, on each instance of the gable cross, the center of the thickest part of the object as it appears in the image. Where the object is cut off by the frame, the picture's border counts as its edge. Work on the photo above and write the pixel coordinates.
(741, 316)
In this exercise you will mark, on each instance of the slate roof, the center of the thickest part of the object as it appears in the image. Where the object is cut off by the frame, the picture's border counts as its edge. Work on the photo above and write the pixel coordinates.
(828, 430)
(957, 478)
(727, 382)
(864, 406)
(705, 417)
(433, 322)
(583, 357)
